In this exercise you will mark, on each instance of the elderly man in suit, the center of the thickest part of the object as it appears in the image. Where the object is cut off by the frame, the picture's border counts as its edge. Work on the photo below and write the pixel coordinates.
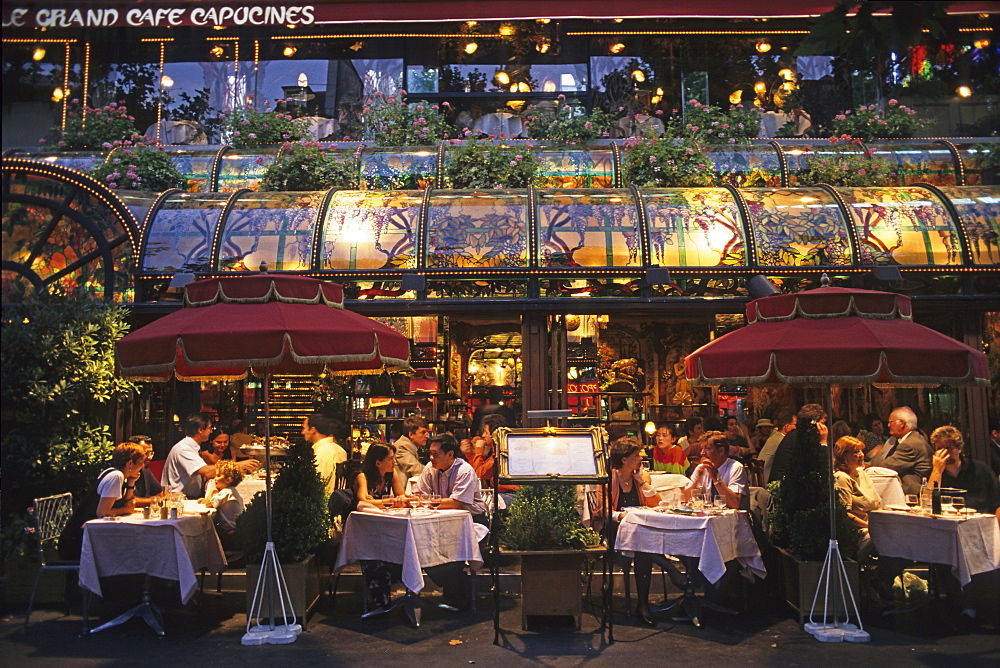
(907, 452)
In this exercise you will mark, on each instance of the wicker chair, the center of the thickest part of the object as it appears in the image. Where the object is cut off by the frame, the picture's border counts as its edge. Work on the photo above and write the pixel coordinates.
(51, 516)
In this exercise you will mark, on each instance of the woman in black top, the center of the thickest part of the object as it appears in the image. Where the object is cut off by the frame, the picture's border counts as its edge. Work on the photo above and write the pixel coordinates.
(375, 486)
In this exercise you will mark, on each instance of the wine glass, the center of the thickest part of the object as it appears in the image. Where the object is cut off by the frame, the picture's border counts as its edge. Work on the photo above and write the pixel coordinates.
(945, 502)
(435, 502)
(958, 503)
(720, 503)
(415, 500)
(911, 501)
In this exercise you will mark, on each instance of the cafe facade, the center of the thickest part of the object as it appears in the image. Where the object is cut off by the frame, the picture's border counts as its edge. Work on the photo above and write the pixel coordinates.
(585, 292)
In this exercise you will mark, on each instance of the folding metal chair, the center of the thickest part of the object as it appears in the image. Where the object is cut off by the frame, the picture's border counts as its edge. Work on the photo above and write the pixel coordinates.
(51, 515)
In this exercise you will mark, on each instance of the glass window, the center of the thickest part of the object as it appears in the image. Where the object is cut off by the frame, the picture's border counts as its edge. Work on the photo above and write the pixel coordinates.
(244, 168)
(799, 227)
(276, 228)
(370, 230)
(694, 227)
(588, 228)
(924, 163)
(477, 229)
(181, 233)
(196, 166)
(746, 166)
(397, 168)
(592, 167)
(979, 215)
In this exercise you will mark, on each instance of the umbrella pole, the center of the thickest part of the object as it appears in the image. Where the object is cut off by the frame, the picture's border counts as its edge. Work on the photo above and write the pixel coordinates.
(267, 486)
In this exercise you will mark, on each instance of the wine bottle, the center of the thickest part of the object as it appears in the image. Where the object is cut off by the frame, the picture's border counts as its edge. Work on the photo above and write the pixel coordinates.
(936, 500)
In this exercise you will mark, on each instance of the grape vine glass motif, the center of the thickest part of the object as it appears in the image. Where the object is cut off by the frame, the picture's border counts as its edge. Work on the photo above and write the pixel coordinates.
(588, 228)
(799, 227)
(477, 229)
(694, 227)
(979, 215)
(921, 163)
(276, 228)
(370, 230)
(591, 167)
(243, 170)
(181, 233)
(907, 226)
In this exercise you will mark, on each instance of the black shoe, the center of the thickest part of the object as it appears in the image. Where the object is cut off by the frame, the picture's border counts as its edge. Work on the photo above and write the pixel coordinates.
(642, 614)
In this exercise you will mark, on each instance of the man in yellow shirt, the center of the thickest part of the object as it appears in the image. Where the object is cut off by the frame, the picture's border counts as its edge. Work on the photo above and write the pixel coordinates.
(322, 431)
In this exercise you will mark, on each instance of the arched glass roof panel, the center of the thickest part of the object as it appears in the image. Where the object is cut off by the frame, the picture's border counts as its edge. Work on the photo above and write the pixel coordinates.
(746, 166)
(271, 227)
(978, 210)
(477, 229)
(589, 167)
(244, 168)
(181, 233)
(370, 230)
(694, 227)
(797, 227)
(907, 226)
(81, 161)
(920, 163)
(396, 168)
(196, 166)
(139, 203)
(972, 155)
(588, 228)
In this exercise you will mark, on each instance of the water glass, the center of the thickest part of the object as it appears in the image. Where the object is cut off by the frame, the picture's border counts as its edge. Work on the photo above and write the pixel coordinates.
(946, 506)
(720, 503)
(958, 503)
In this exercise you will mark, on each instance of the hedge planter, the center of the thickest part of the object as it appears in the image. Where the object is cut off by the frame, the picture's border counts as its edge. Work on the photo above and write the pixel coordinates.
(306, 581)
(800, 579)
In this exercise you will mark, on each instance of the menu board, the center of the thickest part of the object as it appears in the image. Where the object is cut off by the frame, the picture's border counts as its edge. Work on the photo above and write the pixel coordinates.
(551, 454)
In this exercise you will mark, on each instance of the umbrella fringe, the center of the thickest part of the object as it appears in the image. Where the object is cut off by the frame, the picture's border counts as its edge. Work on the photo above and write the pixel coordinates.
(272, 295)
(852, 309)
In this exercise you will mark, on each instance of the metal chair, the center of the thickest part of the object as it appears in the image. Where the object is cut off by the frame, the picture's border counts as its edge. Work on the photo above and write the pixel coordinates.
(51, 515)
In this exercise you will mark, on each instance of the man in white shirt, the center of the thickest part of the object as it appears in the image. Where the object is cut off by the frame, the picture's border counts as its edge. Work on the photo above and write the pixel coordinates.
(785, 421)
(185, 470)
(719, 476)
(320, 430)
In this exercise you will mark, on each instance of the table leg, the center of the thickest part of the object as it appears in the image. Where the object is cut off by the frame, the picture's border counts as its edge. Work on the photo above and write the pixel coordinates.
(148, 610)
(690, 602)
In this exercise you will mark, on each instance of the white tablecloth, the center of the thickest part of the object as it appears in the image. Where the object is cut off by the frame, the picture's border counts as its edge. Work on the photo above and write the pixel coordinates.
(317, 127)
(178, 132)
(970, 545)
(249, 486)
(715, 539)
(169, 549)
(886, 483)
(500, 123)
(415, 540)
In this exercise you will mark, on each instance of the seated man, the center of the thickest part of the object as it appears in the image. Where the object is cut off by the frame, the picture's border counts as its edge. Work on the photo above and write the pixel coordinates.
(452, 479)
(718, 475)
(185, 470)
(414, 437)
(907, 452)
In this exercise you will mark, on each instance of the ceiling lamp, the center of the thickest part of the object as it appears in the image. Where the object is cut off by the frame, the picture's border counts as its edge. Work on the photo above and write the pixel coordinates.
(523, 87)
(216, 51)
(506, 30)
(472, 24)
(736, 97)
(964, 91)
(38, 54)
(470, 47)
(763, 46)
(639, 75)
(659, 91)
(289, 51)
(786, 74)
(502, 78)
(549, 86)
(617, 47)
(543, 46)
(543, 21)
(166, 81)
(58, 95)
(760, 88)
(513, 88)
(981, 43)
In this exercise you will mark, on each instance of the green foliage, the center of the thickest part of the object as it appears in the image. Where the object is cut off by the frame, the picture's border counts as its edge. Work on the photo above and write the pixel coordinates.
(479, 163)
(986, 156)
(706, 124)
(391, 121)
(846, 163)
(58, 392)
(800, 518)
(565, 124)
(89, 127)
(136, 165)
(869, 122)
(300, 519)
(305, 166)
(665, 163)
(249, 127)
(544, 517)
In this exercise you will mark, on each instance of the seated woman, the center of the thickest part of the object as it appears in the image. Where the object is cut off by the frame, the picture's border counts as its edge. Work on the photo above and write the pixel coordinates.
(854, 487)
(216, 448)
(668, 457)
(374, 487)
(222, 495)
(694, 429)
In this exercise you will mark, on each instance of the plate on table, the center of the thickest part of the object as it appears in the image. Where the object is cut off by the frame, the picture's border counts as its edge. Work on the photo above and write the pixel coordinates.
(898, 507)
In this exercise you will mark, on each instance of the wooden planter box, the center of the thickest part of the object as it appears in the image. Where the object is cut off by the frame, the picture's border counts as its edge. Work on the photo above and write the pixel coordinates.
(551, 584)
(800, 579)
(306, 581)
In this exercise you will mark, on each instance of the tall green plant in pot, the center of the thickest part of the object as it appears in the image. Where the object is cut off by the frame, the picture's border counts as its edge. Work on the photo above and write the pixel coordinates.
(544, 517)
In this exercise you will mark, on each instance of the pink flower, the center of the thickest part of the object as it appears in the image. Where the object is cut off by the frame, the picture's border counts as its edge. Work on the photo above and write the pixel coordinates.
(652, 158)
(689, 151)
(659, 112)
(861, 172)
(513, 163)
(893, 102)
(252, 135)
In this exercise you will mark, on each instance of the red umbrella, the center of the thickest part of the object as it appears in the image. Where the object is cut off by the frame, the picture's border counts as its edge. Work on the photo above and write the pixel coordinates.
(261, 324)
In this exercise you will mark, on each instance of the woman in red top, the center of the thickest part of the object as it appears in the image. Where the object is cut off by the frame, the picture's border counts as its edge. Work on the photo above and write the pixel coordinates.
(668, 457)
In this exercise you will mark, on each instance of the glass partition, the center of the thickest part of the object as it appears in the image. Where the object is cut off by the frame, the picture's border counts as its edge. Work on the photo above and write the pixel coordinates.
(908, 226)
(920, 163)
(694, 227)
(477, 229)
(587, 228)
(797, 227)
(391, 168)
(746, 166)
(276, 228)
(244, 168)
(972, 155)
(181, 232)
(370, 230)
(81, 161)
(139, 203)
(196, 165)
(978, 210)
(561, 167)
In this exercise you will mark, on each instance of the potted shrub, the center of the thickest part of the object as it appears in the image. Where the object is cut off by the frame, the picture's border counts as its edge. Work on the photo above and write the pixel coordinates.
(300, 524)
(567, 126)
(846, 163)
(304, 166)
(134, 164)
(666, 163)
(391, 121)
(869, 122)
(91, 127)
(800, 522)
(543, 528)
(250, 127)
(481, 163)
(986, 159)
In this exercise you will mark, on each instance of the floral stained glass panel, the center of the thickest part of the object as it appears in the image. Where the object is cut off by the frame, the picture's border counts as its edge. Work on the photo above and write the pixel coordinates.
(923, 163)
(694, 227)
(978, 210)
(797, 227)
(907, 226)
(181, 233)
(588, 228)
(196, 166)
(276, 228)
(370, 230)
(81, 161)
(244, 169)
(398, 168)
(591, 167)
(477, 229)
(746, 166)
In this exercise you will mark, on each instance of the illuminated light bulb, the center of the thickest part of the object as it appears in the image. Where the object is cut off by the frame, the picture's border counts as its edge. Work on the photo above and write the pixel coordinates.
(964, 91)
(543, 47)
(763, 46)
(543, 21)
(639, 75)
(58, 95)
(218, 27)
(470, 48)
(979, 43)
(549, 86)
(472, 24)
(659, 91)
(786, 74)
(289, 51)
(760, 87)
(506, 30)
(617, 47)
(619, 20)
(303, 80)
(655, 99)
(523, 87)
(650, 428)
(513, 88)
(502, 78)
(216, 51)
(166, 81)
(38, 54)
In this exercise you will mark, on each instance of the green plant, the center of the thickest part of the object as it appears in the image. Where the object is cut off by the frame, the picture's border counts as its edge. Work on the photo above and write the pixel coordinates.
(305, 166)
(249, 127)
(90, 127)
(479, 163)
(300, 521)
(846, 163)
(58, 392)
(135, 165)
(869, 122)
(568, 125)
(986, 156)
(544, 517)
(801, 511)
(664, 163)
(391, 121)
(706, 124)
